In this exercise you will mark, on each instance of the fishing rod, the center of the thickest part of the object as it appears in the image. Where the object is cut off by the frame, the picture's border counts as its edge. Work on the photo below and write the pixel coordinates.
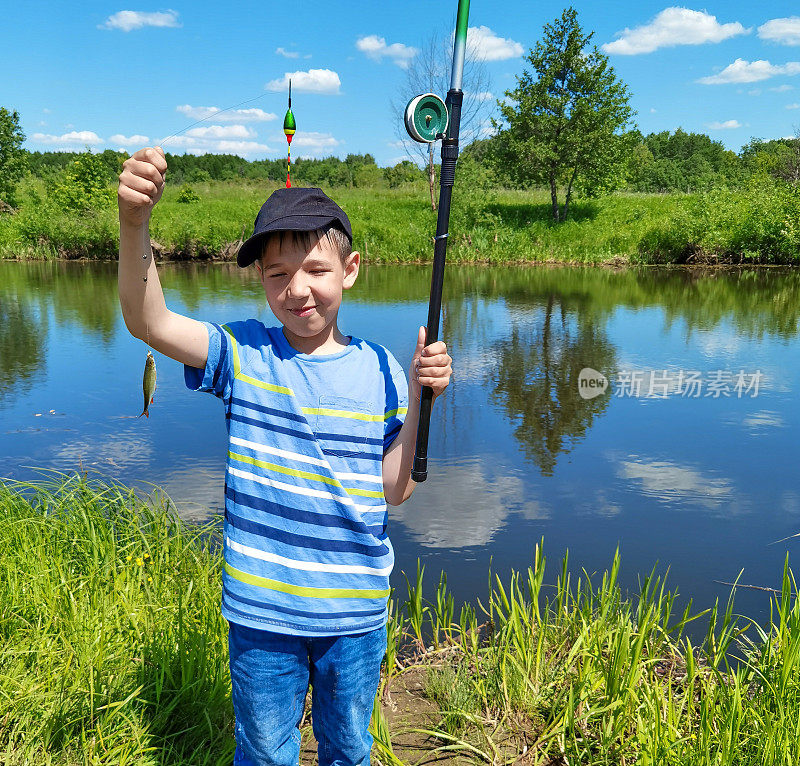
(429, 119)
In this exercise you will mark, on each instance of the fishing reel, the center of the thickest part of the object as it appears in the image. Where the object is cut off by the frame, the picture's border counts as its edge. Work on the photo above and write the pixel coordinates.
(426, 118)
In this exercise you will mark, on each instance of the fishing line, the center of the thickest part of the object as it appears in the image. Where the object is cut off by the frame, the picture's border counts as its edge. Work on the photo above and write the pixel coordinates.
(145, 252)
(211, 116)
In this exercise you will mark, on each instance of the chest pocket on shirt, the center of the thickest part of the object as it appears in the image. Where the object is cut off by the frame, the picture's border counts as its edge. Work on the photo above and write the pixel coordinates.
(342, 425)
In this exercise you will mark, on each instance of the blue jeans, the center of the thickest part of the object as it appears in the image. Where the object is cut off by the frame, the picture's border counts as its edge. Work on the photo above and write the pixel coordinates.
(270, 674)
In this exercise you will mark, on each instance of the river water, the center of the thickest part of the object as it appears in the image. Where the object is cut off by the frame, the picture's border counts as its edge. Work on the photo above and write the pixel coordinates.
(651, 409)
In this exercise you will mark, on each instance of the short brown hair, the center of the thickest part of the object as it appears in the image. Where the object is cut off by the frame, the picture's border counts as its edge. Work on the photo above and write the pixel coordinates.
(336, 238)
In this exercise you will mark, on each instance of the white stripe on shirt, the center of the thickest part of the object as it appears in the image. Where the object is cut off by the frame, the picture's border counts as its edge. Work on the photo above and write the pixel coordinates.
(308, 566)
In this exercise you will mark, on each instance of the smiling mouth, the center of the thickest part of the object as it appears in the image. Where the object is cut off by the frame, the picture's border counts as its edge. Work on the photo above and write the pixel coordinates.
(302, 312)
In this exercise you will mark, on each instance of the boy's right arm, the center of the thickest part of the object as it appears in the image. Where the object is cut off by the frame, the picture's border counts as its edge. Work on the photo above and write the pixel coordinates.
(143, 308)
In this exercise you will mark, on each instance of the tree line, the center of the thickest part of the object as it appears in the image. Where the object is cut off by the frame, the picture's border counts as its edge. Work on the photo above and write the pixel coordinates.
(661, 162)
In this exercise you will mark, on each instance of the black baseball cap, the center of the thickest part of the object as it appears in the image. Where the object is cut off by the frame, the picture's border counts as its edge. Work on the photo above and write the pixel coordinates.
(292, 209)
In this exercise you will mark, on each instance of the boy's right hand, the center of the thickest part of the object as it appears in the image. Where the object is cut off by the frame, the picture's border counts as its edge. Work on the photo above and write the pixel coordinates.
(141, 184)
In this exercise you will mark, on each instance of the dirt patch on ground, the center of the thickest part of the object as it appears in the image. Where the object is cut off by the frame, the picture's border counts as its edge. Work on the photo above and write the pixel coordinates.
(406, 708)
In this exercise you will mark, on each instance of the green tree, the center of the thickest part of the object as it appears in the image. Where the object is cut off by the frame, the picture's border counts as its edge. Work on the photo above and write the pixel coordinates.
(403, 172)
(565, 124)
(12, 155)
(683, 162)
(779, 158)
(83, 184)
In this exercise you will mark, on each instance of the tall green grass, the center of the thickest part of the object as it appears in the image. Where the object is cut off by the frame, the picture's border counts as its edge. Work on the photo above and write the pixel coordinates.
(389, 225)
(756, 223)
(112, 646)
(577, 674)
(759, 223)
(113, 651)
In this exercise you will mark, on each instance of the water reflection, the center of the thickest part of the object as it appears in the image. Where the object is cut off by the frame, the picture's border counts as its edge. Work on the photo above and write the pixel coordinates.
(536, 380)
(196, 491)
(557, 322)
(671, 482)
(466, 504)
(22, 339)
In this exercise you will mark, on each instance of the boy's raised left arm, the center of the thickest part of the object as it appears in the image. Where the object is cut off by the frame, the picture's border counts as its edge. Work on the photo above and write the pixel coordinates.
(431, 366)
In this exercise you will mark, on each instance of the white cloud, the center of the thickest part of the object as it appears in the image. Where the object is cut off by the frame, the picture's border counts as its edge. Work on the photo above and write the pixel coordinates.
(206, 145)
(376, 48)
(793, 106)
(221, 131)
(785, 31)
(484, 129)
(322, 81)
(673, 26)
(231, 115)
(241, 147)
(483, 96)
(134, 140)
(485, 44)
(750, 71)
(315, 143)
(80, 137)
(782, 88)
(754, 92)
(130, 20)
(652, 110)
(727, 125)
(287, 54)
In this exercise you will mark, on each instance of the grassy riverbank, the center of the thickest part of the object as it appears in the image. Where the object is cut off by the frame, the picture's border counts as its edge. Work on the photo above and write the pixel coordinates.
(757, 224)
(113, 651)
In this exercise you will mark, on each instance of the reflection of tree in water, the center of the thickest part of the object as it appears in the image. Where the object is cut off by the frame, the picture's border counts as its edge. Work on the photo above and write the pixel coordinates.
(22, 338)
(536, 381)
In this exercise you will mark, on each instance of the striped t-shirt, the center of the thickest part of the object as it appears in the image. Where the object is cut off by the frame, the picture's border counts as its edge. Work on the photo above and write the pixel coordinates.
(305, 543)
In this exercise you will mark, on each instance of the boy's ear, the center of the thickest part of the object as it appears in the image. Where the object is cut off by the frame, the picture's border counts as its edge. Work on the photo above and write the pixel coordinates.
(351, 264)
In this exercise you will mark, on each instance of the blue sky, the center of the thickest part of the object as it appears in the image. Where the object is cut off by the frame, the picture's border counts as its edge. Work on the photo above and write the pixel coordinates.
(122, 76)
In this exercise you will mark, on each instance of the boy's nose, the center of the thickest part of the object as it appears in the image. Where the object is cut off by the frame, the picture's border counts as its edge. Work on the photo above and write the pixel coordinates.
(298, 286)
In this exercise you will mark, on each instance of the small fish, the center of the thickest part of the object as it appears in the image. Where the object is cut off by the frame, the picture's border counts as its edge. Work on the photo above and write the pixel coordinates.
(148, 382)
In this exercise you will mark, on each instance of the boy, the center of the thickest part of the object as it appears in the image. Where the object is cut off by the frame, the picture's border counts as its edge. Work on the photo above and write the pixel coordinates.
(318, 444)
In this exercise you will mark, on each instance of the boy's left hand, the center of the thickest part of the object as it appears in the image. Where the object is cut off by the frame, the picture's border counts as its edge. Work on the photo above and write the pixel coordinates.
(431, 366)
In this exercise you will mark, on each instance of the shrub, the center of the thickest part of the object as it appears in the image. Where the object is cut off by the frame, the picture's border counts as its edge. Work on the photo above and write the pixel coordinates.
(758, 223)
(187, 195)
(82, 185)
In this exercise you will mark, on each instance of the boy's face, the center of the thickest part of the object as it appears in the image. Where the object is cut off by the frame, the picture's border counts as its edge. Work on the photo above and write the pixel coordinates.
(304, 289)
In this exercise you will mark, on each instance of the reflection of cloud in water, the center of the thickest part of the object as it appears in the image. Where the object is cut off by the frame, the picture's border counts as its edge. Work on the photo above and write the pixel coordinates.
(757, 421)
(460, 507)
(790, 502)
(602, 506)
(196, 492)
(474, 364)
(122, 451)
(716, 343)
(670, 482)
